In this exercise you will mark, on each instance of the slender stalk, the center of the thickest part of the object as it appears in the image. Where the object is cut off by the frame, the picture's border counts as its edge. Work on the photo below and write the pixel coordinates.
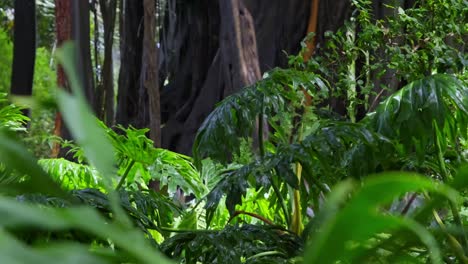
(254, 215)
(178, 230)
(296, 225)
(453, 242)
(124, 176)
(260, 133)
(352, 93)
(264, 254)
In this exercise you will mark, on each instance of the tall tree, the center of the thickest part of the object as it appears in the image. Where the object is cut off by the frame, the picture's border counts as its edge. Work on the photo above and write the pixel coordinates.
(81, 36)
(63, 25)
(105, 105)
(210, 49)
(24, 48)
(150, 71)
(131, 99)
(72, 23)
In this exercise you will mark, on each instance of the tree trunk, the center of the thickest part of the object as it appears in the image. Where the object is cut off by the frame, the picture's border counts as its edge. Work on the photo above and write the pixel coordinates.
(24, 47)
(63, 25)
(331, 16)
(388, 83)
(106, 103)
(193, 62)
(81, 36)
(238, 46)
(150, 71)
(132, 103)
(72, 22)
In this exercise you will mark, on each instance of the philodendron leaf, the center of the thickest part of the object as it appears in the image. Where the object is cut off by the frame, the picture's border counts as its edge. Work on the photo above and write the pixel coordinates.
(360, 219)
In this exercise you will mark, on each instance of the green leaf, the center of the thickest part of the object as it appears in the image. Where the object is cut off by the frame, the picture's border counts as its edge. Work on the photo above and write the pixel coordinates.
(13, 251)
(234, 118)
(343, 233)
(16, 157)
(409, 113)
(72, 175)
(85, 128)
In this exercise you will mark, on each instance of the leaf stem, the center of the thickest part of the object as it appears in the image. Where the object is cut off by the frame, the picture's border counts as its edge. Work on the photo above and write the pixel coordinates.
(124, 176)
(264, 254)
(260, 132)
(445, 176)
(259, 217)
(177, 230)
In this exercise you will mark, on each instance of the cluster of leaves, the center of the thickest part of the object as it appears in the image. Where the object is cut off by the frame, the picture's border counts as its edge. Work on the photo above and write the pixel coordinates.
(336, 150)
(249, 243)
(11, 115)
(279, 92)
(420, 128)
(371, 56)
(99, 152)
(139, 164)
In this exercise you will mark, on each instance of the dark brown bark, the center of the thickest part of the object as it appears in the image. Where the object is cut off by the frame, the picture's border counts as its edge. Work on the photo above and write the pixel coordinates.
(238, 46)
(131, 99)
(331, 16)
(280, 26)
(72, 22)
(106, 104)
(150, 71)
(63, 25)
(191, 63)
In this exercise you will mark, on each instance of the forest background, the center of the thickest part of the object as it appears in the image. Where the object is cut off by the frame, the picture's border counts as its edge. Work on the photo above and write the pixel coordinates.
(233, 131)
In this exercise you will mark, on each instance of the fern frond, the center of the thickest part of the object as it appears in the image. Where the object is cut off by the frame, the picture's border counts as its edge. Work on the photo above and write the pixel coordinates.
(11, 116)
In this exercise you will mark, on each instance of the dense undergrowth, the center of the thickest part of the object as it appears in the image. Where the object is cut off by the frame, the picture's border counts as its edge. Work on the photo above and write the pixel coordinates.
(313, 186)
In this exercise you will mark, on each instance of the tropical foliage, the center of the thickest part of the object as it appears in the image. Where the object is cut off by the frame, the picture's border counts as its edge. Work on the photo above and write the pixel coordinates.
(277, 175)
